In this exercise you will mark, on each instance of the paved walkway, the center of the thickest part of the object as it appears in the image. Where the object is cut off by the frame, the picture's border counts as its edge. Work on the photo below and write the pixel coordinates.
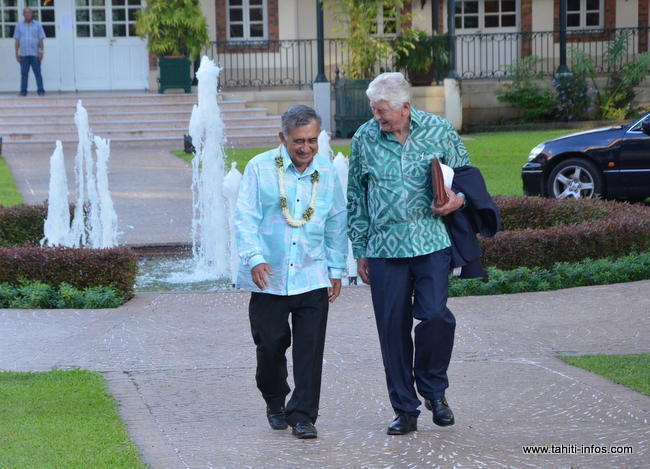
(182, 366)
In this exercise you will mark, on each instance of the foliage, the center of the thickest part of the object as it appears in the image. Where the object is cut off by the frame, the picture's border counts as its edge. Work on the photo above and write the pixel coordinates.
(524, 92)
(632, 371)
(81, 268)
(624, 229)
(63, 419)
(359, 23)
(416, 52)
(35, 294)
(522, 213)
(615, 98)
(574, 97)
(22, 224)
(9, 195)
(561, 275)
(173, 27)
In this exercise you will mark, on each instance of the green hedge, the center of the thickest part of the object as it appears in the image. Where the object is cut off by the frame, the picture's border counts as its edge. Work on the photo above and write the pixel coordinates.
(562, 275)
(22, 224)
(80, 268)
(32, 295)
(540, 232)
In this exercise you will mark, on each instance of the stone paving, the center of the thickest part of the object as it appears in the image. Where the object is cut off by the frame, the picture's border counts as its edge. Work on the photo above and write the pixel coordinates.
(181, 367)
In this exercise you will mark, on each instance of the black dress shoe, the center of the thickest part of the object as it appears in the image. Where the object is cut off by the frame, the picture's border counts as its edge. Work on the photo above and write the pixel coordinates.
(442, 414)
(277, 418)
(403, 424)
(304, 430)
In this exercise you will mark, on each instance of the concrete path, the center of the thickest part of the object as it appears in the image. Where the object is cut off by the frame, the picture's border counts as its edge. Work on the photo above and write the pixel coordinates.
(182, 366)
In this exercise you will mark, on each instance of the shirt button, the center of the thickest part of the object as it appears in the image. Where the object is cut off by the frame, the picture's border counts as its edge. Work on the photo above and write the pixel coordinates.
(291, 265)
(293, 243)
(297, 200)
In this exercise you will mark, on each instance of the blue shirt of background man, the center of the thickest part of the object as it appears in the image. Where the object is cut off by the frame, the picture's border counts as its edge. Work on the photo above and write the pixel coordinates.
(301, 259)
(29, 34)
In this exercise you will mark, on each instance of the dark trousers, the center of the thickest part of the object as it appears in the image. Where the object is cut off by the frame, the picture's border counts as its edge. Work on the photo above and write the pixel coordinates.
(403, 289)
(269, 317)
(27, 61)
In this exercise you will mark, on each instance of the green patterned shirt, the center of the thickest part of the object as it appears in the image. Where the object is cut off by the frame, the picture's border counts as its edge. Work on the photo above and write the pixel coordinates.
(389, 187)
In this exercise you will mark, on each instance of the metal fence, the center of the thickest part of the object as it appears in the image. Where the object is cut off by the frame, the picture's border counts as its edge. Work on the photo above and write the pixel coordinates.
(293, 63)
(492, 55)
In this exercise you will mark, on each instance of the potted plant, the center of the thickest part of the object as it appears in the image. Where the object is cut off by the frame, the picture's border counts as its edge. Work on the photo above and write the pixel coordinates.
(421, 56)
(175, 31)
(366, 50)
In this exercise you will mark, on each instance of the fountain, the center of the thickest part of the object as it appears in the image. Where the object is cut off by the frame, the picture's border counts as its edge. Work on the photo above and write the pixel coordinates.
(57, 223)
(230, 191)
(214, 257)
(94, 224)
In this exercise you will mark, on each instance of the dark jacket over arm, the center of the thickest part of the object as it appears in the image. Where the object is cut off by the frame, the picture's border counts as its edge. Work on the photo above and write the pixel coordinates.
(480, 215)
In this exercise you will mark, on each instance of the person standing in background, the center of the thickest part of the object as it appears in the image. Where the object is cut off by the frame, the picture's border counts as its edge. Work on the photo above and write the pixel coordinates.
(29, 36)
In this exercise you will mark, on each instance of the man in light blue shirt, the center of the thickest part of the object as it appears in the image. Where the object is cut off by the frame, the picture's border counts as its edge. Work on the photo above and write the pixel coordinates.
(29, 36)
(291, 238)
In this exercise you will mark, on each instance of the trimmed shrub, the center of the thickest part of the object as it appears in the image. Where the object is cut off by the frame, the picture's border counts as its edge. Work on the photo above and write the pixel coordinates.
(540, 232)
(22, 224)
(562, 275)
(81, 268)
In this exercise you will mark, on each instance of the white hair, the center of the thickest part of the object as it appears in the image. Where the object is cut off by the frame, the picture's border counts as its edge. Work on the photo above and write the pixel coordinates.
(391, 87)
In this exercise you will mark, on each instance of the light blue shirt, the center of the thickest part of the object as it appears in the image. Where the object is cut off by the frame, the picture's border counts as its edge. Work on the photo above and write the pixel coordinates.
(28, 35)
(301, 259)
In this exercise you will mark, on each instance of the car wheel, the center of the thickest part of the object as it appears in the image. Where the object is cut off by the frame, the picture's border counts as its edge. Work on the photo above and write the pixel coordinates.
(575, 178)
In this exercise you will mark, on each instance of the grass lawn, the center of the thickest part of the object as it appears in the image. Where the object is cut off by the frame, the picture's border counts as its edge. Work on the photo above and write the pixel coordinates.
(499, 156)
(63, 419)
(632, 371)
(9, 195)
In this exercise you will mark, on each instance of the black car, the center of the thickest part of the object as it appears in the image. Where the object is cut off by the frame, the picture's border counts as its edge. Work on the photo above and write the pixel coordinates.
(612, 162)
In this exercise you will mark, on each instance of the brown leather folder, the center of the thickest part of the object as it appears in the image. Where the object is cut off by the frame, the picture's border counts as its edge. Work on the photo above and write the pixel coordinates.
(440, 196)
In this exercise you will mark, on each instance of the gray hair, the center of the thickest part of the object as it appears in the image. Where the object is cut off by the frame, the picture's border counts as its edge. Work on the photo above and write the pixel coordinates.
(297, 116)
(391, 87)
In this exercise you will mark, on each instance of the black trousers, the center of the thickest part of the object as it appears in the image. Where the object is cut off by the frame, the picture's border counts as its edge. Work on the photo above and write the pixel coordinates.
(269, 317)
(403, 289)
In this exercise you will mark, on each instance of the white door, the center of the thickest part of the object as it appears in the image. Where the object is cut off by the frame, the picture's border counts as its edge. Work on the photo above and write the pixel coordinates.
(47, 12)
(108, 54)
(89, 45)
(486, 43)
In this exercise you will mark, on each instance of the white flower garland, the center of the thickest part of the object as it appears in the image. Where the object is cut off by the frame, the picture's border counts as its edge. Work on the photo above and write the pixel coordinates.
(306, 216)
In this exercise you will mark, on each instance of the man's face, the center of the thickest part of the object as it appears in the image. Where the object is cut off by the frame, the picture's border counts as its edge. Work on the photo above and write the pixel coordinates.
(389, 119)
(302, 144)
(28, 14)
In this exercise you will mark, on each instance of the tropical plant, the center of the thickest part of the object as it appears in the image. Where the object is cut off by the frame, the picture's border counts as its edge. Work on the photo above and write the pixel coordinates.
(419, 54)
(173, 27)
(615, 98)
(524, 92)
(358, 20)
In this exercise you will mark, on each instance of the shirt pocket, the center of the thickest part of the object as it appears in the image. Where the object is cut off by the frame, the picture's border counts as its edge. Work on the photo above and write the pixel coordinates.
(315, 239)
(420, 165)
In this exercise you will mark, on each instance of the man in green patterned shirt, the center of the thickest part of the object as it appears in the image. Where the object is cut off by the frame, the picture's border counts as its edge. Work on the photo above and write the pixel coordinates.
(402, 246)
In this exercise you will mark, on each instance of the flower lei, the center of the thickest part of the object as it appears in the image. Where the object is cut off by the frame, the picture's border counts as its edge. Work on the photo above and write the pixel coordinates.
(306, 216)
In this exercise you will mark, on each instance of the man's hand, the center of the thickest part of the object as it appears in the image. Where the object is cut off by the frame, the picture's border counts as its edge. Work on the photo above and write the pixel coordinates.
(363, 270)
(335, 290)
(40, 56)
(17, 57)
(455, 202)
(258, 274)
